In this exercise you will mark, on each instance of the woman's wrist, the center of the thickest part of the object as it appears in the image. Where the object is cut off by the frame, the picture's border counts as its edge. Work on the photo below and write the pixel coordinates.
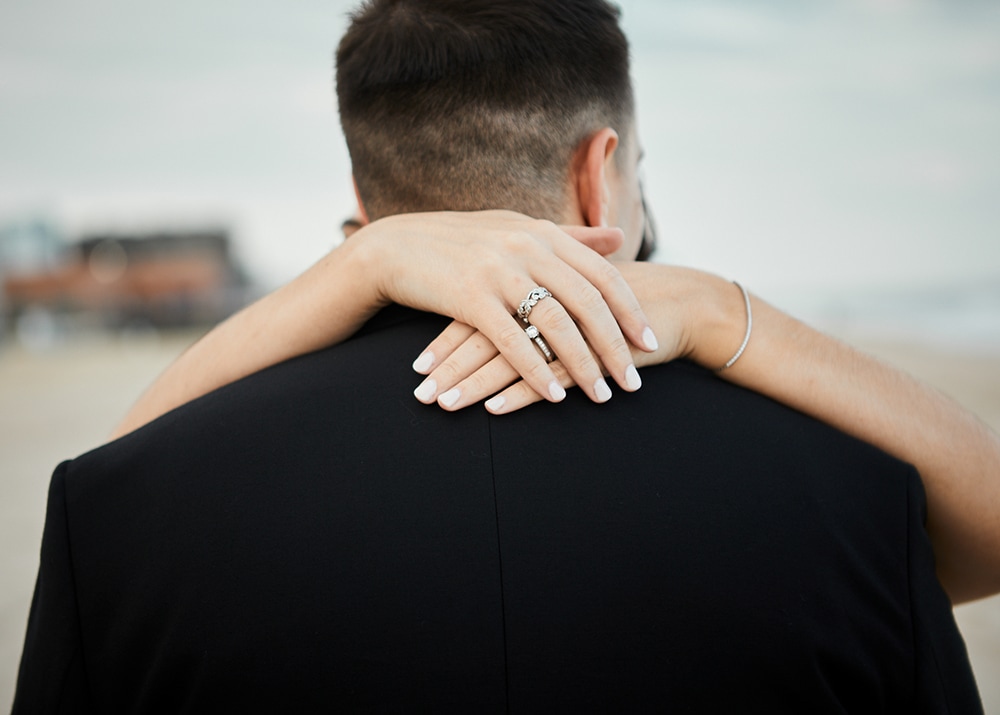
(364, 266)
(720, 326)
(697, 315)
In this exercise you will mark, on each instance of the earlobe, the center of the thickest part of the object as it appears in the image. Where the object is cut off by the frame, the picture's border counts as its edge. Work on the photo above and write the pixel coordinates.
(592, 180)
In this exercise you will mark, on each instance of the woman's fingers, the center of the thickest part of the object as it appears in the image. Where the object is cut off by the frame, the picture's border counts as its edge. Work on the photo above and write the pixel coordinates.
(576, 311)
(460, 351)
(465, 360)
(521, 352)
(600, 239)
(442, 346)
(562, 335)
(483, 382)
(613, 287)
(473, 370)
(520, 394)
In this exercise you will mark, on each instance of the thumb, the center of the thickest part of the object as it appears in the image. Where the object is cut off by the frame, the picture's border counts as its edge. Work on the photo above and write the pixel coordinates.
(602, 239)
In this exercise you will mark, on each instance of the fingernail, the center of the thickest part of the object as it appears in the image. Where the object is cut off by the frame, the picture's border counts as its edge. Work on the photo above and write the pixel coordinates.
(450, 397)
(423, 363)
(632, 379)
(425, 390)
(495, 404)
(556, 391)
(602, 390)
(649, 340)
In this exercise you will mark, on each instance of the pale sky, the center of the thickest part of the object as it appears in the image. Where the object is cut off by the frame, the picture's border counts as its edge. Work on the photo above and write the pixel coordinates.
(802, 147)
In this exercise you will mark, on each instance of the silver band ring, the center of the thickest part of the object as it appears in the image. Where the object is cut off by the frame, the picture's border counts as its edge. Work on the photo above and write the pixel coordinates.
(538, 293)
(532, 332)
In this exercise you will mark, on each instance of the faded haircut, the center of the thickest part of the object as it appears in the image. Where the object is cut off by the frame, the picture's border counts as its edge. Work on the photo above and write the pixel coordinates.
(477, 104)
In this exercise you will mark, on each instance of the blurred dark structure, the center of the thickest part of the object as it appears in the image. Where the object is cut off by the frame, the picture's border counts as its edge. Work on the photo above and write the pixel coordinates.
(160, 279)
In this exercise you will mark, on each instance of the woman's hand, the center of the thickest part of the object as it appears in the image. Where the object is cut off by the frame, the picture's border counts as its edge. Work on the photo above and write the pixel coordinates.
(478, 267)
(695, 314)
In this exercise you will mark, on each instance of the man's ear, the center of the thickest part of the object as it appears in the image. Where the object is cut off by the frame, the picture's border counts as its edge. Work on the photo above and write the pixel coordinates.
(362, 214)
(594, 192)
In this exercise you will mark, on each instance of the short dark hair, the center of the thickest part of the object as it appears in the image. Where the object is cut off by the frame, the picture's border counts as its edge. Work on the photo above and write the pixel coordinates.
(476, 104)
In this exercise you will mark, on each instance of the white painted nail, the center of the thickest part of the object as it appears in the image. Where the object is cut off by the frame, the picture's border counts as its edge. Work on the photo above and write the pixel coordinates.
(649, 339)
(423, 363)
(632, 378)
(602, 390)
(556, 391)
(425, 390)
(450, 397)
(495, 404)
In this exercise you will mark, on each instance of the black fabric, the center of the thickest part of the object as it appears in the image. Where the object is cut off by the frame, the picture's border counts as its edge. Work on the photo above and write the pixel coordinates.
(313, 539)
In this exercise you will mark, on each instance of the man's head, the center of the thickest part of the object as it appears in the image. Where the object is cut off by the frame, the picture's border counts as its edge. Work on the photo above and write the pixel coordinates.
(486, 104)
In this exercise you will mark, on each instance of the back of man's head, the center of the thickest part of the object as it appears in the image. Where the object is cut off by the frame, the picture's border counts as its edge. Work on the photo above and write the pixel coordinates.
(477, 104)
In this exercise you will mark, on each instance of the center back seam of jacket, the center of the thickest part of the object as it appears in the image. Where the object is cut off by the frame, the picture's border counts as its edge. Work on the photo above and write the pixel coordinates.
(503, 605)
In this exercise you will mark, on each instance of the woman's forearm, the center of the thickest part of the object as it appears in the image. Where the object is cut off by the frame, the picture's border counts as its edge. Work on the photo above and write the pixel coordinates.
(958, 457)
(322, 307)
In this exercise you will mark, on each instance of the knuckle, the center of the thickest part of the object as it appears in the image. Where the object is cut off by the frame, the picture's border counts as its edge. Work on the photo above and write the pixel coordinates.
(448, 373)
(521, 394)
(474, 384)
(509, 339)
(559, 321)
(636, 312)
(590, 298)
(487, 264)
(562, 374)
(544, 227)
(579, 363)
(618, 344)
(518, 242)
(539, 373)
(480, 383)
(608, 273)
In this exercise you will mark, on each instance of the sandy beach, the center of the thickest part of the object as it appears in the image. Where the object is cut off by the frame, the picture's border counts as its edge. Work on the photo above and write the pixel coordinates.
(60, 403)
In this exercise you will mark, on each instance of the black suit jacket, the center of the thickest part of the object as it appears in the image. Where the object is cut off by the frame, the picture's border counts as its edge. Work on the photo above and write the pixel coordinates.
(313, 539)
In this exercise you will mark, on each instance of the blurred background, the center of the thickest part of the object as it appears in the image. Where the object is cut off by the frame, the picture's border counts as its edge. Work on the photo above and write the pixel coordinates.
(161, 165)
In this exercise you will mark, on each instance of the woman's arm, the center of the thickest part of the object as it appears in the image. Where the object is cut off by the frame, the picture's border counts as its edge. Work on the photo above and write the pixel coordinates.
(958, 457)
(695, 315)
(332, 298)
(701, 316)
(427, 261)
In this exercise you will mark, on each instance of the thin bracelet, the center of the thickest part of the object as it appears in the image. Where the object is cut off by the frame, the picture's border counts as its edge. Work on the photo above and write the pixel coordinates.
(746, 338)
